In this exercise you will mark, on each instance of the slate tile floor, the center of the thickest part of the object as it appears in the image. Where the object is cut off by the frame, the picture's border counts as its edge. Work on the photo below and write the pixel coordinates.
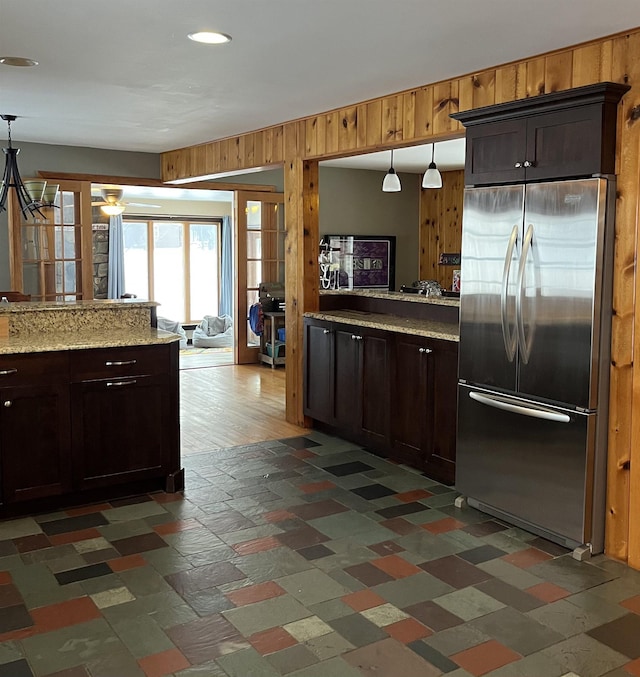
(306, 557)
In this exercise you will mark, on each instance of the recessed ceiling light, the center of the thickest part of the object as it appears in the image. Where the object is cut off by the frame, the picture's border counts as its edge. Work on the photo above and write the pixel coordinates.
(17, 61)
(209, 37)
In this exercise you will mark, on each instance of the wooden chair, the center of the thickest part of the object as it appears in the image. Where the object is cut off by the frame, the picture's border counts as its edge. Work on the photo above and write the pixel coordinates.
(15, 296)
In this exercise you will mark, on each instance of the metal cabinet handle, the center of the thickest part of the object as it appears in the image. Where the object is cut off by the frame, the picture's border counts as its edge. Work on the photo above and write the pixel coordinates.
(7, 403)
(326, 331)
(518, 165)
(528, 164)
(355, 337)
(119, 364)
(121, 383)
(425, 351)
(6, 372)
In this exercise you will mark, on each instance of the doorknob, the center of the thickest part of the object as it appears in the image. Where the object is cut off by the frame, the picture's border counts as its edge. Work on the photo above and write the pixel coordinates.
(7, 403)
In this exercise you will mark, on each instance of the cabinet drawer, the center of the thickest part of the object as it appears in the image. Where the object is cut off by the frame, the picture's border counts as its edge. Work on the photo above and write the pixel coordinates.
(28, 368)
(88, 365)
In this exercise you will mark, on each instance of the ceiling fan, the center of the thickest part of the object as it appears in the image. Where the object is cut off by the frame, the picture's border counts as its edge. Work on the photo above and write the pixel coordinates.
(112, 203)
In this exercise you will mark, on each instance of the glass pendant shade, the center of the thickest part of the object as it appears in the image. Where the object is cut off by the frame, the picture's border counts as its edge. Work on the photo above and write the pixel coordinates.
(50, 193)
(432, 177)
(35, 188)
(391, 182)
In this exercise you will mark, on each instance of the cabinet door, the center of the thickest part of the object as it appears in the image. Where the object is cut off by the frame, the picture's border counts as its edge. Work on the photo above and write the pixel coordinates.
(34, 442)
(318, 370)
(122, 430)
(347, 392)
(376, 348)
(566, 143)
(440, 459)
(412, 411)
(493, 151)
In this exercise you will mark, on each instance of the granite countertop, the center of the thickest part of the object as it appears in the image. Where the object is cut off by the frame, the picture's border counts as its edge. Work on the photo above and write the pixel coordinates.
(446, 331)
(68, 340)
(99, 304)
(393, 295)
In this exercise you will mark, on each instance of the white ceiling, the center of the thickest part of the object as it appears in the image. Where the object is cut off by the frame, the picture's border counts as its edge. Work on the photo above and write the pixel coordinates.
(123, 75)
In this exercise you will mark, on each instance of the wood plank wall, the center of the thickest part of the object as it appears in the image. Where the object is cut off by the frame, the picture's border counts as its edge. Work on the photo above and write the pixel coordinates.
(441, 227)
(422, 114)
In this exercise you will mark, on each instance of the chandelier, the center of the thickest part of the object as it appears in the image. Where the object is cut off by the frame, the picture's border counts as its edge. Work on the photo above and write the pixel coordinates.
(31, 195)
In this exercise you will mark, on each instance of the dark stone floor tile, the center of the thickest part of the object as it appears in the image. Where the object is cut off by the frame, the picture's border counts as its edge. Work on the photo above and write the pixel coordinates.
(549, 547)
(621, 635)
(368, 574)
(63, 526)
(315, 552)
(130, 500)
(311, 511)
(10, 596)
(14, 618)
(7, 548)
(484, 528)
(16, 669)
(351, 468)
(433, 616)
(357, 629)
(483, 553)
(78, 671)
(204, 577)
(510, 595)
(455, 571)
(302, 538)
(26, 544)
(133, 545)
(402, 509)
(373, 491)
(432, 656)
(300, 442)
(83, 573)
(206, 639)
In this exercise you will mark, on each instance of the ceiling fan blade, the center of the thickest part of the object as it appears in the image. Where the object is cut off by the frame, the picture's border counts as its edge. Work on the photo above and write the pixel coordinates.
(98, 204)
(142, 204)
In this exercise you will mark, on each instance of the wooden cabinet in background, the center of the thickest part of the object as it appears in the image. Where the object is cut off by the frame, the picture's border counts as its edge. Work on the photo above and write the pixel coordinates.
(393, 393)
(552, 136)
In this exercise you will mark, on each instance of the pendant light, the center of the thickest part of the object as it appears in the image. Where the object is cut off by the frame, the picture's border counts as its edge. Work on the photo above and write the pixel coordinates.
(432, 178)
(391, 182)
(31, 195)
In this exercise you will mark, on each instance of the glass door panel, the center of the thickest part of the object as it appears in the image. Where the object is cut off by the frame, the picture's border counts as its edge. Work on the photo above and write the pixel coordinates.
(168, 269)
(260, 222)
(49, 248)
(204, 270)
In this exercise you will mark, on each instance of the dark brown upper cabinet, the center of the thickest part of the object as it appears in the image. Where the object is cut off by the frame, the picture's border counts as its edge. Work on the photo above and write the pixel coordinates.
(566, 134)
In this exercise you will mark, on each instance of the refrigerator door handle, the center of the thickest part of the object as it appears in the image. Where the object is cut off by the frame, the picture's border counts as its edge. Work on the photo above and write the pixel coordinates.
(499, 403)
(509, 338)
(525, 347)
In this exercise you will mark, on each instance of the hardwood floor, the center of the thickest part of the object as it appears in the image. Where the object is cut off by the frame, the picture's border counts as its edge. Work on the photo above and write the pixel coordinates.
(232, 405)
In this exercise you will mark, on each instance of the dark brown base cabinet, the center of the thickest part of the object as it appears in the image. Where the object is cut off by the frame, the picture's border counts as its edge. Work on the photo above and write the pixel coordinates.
(393, 393)
(83, 425)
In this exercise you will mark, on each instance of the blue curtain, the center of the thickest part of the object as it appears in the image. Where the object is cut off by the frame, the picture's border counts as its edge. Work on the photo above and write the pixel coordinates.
(116, 258)
(226, 263)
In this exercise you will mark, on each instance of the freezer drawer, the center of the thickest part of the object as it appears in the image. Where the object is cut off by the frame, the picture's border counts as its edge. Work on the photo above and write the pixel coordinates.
(537, 470)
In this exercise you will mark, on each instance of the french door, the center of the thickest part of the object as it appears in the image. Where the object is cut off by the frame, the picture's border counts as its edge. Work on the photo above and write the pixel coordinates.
(51, 256)
(260, 258)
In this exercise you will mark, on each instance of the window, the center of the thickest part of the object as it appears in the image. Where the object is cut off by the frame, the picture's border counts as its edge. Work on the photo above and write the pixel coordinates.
(174, 263)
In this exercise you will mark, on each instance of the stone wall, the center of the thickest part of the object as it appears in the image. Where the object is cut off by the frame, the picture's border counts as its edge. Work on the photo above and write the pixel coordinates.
(100, 255)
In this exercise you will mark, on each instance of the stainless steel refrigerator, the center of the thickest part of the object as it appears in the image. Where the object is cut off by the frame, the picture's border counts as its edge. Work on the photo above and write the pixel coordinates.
(535, 324)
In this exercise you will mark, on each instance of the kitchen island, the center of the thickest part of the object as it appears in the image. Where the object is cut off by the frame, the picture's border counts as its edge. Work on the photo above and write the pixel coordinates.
(89, 404)
(380, 369)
